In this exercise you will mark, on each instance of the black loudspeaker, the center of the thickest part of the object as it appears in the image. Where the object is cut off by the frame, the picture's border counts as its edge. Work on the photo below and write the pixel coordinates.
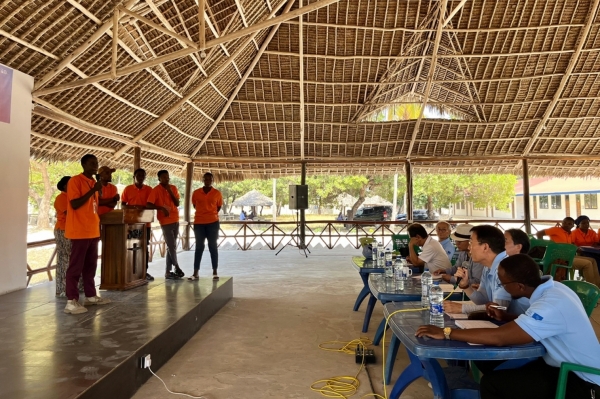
(298, 196)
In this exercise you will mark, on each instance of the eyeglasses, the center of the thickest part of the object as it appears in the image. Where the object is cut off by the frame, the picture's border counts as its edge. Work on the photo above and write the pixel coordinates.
(502, 285)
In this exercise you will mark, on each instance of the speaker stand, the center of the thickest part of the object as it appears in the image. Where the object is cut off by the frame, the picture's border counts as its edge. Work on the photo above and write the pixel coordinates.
(298, 239)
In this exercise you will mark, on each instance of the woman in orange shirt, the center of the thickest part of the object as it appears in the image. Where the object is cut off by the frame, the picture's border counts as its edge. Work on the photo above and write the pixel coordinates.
(207, 202)
(63, 244)
(583, 235)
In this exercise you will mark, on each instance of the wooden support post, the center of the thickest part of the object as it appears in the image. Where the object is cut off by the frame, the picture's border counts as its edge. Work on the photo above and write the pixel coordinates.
(409, 191)
(202, 21)
(115, 44)
(526, 198)
(302, 243)
(189, 174)
(137, 158)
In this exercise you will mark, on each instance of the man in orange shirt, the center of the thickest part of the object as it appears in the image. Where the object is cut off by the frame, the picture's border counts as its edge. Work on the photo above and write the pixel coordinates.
(82, 227)
(563, 235)
(207, 202)
(165, 199)
(109, 194)
(136, 196)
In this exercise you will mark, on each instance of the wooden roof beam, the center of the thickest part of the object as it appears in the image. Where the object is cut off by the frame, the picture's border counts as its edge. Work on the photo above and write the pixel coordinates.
(243, 80)
(192, 93)
(79, 50)
(301, 73)
(71, 143)
(270, 21)
(563, 82)
(429, 84)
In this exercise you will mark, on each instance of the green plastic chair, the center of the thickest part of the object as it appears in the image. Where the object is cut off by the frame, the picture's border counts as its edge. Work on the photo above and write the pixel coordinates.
(587, 292)
(366, 240)
(561, 388)
(400, 241)
(555, 251)
(535, 243)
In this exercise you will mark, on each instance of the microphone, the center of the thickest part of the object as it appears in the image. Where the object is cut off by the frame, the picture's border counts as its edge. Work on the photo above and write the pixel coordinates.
(464, 265)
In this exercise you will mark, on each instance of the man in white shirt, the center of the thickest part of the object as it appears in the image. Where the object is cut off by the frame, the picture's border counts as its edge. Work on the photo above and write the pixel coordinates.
(443, 230)
(556, 319)
(433, 256)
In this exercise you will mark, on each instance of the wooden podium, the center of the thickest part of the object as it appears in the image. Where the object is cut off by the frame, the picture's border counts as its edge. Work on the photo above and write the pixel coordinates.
(124, 249)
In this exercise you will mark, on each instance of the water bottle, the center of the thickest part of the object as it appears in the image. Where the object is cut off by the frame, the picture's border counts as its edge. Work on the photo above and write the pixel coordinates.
(380, 255)
(398, 268)
(436, 309)
(426, 281)
(389, 266)
(374, 253)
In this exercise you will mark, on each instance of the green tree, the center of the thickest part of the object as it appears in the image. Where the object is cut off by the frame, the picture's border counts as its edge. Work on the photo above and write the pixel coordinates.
(495, 190)
(43, 177)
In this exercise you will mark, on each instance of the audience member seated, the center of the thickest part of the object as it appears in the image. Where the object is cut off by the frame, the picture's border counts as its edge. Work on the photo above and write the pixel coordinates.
(443, 232)
(461, 237)
(584, 236)
(243, 215)
(563, 235)
(516, 242)
(556, 319)
(486, 247)
(433, 255)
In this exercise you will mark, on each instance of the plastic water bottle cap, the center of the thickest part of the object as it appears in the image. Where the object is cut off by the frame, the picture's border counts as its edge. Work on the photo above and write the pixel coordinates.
(436, 283)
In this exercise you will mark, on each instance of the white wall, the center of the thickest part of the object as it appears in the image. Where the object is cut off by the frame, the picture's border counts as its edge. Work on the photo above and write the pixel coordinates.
(14, 163)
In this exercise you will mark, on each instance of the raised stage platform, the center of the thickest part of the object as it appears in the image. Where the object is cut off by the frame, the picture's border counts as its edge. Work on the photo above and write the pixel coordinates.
(45, 353)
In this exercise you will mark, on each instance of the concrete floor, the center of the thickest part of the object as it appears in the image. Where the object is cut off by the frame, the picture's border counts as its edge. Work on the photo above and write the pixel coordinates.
(264, 342)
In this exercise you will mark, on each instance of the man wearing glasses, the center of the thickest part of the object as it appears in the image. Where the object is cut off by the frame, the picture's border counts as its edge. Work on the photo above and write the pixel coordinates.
(487, 248)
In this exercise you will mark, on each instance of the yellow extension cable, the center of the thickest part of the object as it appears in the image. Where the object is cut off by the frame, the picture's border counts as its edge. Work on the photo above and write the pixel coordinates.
(345, 386)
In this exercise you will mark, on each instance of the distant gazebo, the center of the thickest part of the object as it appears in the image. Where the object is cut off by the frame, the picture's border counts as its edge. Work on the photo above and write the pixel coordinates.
(376, 200)
(253, 198)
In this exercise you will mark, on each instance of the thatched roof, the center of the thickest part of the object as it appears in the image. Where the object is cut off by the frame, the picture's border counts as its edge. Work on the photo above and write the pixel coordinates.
(346, 199)
(522, 75)
(253, 198)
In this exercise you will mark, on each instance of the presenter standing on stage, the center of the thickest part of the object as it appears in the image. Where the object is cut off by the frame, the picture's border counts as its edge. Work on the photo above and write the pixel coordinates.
(82, 227)
(207, 202)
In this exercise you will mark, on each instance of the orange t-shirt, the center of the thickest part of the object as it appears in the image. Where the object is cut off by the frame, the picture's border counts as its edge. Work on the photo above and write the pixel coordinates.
(60, 205)
(108, 191)
(136, 196)
(160, 197)
(84, 221)
(584, 239)
(559, 235)
(206, 205)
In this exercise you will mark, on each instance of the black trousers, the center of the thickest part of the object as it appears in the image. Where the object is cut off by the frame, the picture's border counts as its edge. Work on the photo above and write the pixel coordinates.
(535, 380)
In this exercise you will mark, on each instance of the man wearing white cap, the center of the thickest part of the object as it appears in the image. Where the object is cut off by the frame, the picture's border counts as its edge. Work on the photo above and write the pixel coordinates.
(461, 237)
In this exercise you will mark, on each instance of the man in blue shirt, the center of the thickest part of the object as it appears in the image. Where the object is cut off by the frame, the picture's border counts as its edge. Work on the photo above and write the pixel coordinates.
(487, 248)
(556, 319)
(443, 232)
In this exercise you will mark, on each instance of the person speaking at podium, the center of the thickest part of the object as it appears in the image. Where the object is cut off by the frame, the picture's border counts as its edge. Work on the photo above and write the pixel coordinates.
(135, 196)
(165, 199)
(82, 227)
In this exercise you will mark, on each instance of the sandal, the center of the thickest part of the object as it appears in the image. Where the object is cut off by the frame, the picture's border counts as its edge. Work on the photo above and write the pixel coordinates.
(193, 278)
(215, 277)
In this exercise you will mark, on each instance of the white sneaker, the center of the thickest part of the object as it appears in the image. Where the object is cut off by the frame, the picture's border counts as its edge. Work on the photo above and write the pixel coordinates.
(74, 307)
(96, 300)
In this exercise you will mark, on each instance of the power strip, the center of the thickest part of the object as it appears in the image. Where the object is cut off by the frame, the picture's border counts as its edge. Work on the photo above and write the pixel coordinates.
(368, 354)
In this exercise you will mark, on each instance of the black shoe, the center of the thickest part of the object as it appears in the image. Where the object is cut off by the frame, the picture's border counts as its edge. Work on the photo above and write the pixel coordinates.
(179, 272)
(149, 277)
(172, 276)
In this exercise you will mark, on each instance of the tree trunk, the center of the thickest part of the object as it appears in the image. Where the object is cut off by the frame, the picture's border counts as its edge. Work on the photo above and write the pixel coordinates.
(429, 207)
(279, 209)
(361, 198)
(43, 221)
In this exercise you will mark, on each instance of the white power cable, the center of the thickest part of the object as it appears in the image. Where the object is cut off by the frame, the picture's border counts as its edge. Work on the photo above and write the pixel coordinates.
(175, 393)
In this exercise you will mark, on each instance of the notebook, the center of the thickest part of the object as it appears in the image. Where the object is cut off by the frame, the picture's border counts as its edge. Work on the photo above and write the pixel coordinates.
(449, 288)
(458, 316)
(467, 324)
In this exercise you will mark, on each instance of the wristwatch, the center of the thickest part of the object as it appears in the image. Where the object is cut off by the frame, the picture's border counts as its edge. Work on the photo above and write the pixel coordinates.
(447, 332)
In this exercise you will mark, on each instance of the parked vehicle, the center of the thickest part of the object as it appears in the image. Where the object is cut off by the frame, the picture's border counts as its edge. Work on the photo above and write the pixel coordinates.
(419, 214)
(375, 213)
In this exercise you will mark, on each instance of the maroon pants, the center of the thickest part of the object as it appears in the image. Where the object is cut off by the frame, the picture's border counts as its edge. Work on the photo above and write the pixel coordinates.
(83, 262)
